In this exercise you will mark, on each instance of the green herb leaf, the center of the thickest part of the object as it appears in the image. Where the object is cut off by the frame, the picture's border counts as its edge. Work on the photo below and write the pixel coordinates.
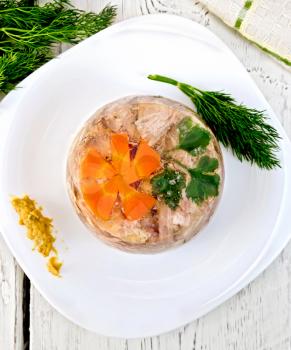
(192, 139)
(185, 125)
(207, 164)
(168, 186)
(204, 183)
(237, 126)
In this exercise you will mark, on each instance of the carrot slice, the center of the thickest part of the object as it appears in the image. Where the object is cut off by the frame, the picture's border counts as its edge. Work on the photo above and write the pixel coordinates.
(100, 198)
(121, 157)
(146, 161)
(120, 152)
(94, 166)
(135, 204)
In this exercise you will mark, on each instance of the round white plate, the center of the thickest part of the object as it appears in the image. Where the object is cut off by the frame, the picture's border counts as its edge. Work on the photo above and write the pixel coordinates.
(103, 289)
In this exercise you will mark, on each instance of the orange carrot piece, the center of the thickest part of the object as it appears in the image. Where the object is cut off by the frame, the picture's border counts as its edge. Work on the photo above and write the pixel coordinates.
(135, 204)
(120, 152)
(89, 186)
(146, 161)
(100, 198)
(121, 157)
(94, 166)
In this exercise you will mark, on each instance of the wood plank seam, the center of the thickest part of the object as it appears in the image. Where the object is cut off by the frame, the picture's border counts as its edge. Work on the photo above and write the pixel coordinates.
(26, 312)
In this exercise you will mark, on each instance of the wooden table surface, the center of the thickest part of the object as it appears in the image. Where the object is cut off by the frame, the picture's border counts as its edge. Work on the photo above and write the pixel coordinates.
(259, 317)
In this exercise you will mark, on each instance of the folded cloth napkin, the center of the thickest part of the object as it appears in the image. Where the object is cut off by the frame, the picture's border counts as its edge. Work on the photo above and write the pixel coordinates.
(267, 23)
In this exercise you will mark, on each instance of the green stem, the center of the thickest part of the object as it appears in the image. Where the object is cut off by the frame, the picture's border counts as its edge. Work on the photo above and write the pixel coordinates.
(28, 37)
(187, 89)
(13, 9)
(163, 79)
(177, 162)
(8, 30)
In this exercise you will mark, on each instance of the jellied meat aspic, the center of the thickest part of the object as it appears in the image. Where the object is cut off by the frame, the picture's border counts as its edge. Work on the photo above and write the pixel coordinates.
(110, 168)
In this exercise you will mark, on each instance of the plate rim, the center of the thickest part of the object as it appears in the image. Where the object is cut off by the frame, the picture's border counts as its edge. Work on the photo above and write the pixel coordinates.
(250, 275)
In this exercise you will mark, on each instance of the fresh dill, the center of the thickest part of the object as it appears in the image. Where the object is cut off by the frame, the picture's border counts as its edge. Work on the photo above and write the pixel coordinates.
(29, 32)
(237, 126)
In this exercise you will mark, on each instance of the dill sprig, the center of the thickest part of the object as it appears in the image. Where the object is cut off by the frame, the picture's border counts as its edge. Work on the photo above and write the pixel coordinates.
(28, 33)
(14, 66)
(237, 126)
(14, 3)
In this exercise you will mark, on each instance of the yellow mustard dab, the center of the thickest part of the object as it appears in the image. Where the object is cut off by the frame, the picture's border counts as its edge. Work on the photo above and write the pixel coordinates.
(54, 266)
(39, 229)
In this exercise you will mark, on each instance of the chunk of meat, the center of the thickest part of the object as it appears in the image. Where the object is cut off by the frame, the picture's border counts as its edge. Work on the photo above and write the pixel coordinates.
(121, 118)
(96, 136)
(171, 221)
(154, 120)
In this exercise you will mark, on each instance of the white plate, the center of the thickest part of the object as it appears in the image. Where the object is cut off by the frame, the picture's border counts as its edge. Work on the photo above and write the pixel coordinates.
(103, 289)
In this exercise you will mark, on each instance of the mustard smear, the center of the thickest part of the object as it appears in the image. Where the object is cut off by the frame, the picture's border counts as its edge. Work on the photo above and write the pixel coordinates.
(39, 228)
(54, 266)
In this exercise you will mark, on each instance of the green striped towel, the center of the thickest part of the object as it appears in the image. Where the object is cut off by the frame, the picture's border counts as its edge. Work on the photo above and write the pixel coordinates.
(267, 23)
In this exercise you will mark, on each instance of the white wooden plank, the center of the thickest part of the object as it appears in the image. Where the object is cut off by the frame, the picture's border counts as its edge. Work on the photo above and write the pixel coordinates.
(256, 318)
(11, 299)
(11, 283)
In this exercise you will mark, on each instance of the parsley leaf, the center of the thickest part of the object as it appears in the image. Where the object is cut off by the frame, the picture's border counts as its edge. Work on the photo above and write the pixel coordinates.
(168, 186)
(207, 164)
(204, 183)
(192, 138)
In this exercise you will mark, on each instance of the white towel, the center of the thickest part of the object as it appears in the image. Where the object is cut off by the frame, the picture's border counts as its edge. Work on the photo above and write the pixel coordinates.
(267, 23)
